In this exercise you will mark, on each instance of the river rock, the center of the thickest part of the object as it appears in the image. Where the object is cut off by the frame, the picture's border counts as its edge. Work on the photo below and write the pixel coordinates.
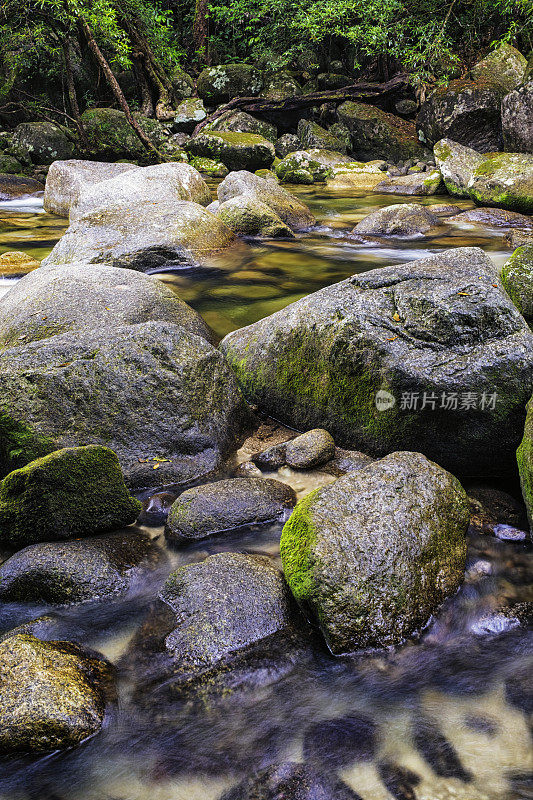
(289, 208)
(505, 66)
(301, 167)
(493, 217)
(221, 83)
(69, 493)
(518, 238)
(313, 135)
(226, 505)
(402, 219)
(235, 150)
(419, 183)
(401, 331)
(456, 164)
(12, 187)
(504, 180)
(287, 143)
(143, 220)
(42, 142)
(377, 134)
(241, 122)
(517, 113)
(82, 297)
(349, 563)
(291, 781)
(357, 176)
(220, 608)
(15, 263)
(110, 135)
(100, 568)
(280, 86)
(182, 83)
(517, 278)
(209, 168)
(248, 216)
(336, 743)
(67, 179)
(311, 449)
(465, 111)
(162, 398)
(53, 695)
(524, 457)
(188, 114)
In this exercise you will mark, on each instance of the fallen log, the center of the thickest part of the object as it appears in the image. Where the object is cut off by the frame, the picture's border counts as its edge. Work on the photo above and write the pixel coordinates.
(364, 91)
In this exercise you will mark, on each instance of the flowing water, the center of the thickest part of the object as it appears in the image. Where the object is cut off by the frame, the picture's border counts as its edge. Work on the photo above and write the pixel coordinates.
(444, 717)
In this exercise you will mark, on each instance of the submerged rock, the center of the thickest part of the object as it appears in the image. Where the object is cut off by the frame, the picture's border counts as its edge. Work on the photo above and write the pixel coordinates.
(524, 457)
(53, 695)
(66, 180)
(437, 750)
(377, 134)
(226, 505)
(517, 278)
(494, 217)
(42, 142)
(248, 216)
(401, 219)
(311, 449)
(291, 210)
(291, 781)
(430, 355)
(83, 297)
(12, 187)
(349, 563)
(100, 568)
(235, 150)
(162, 398)
(69, 493)
(335, 744)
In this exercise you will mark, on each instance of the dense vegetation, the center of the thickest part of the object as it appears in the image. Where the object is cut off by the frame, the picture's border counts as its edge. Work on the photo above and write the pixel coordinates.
(55, 53)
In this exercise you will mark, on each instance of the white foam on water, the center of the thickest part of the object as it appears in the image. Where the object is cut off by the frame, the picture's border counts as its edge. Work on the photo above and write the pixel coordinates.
(27, 205)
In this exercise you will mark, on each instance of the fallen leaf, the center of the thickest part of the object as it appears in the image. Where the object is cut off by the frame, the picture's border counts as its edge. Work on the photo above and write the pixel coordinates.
(393, 339)
(396, 317)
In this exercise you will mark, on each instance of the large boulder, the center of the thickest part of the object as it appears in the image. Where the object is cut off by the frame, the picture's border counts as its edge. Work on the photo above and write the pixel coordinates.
(83, 297)
(517, 113)
(42, 142)
(69, 493)
(142, 220)
(12, 187)
(313, 135)
(524, 457)
(99, 568)
(188, 114)
(356, 176)
(235, 150)
(505, 67)
(221, 83)
(374, 554)
(456, 164)
(110, 136)
(301, 167)
(248, 216)
(53, 695)
(429, 355)
(182, 83)
(377, 134)
(465, 111)
(291, 210)
(280, 86)
(226, 505)
(517, 278)
(67, 179)
(162, 398)
(504, 180)
(241, 122)
(408, 220)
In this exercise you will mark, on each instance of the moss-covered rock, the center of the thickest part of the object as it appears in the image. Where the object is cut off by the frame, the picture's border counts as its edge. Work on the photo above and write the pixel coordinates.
(43, 142)
(408, 220)
(53, 695)
(15, 263)
(464, 111)
(248, 216)
(69, 493)
(56, 300)
(10, 164)
(374, 554)
(182, 83)
(517, 278)
(226, 505)
(162, 398)
(419, 183)
(110, 135)
(298, 167)
(99, 568)
(291, 210)
(517, 113)
(188, 114)
(235, 150)
(377, 134)
(456, 164)
(241, 122)
(287, 143)
(311, 449)
(321, 362)
(505, 66)
(221, 83)
(356, 176)
(332, 80)
(67, 179)
(280, 86)
(524, 456)
(209, 168)
(13, 187)
(313, 135)
(504, 180)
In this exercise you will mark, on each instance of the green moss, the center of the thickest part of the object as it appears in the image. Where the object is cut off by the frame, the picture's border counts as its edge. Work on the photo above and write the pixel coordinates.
(517, 278)
(19, 444)
(524, 457)
(297, 540)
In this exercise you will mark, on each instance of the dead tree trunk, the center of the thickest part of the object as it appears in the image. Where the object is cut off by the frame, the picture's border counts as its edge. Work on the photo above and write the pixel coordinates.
(200, 31)
(71, 90)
